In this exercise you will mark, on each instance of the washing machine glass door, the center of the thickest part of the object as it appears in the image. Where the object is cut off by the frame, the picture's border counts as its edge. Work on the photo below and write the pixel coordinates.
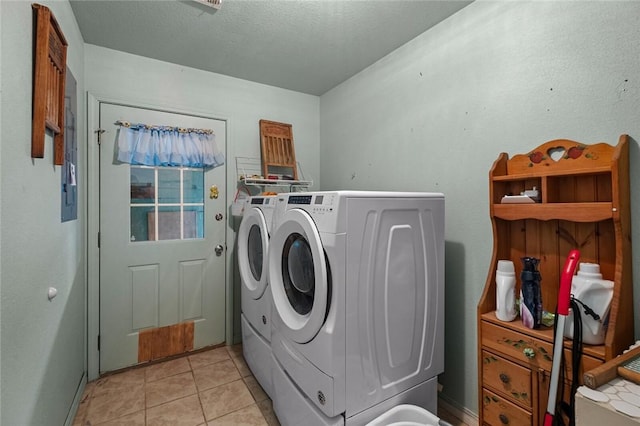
(253, 246)
(298, 276)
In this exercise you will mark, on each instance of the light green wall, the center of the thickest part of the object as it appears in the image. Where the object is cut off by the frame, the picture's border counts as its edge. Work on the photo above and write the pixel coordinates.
(43, 346)
(134, 79)
(495, 77)
(1, 122)
(433, 115)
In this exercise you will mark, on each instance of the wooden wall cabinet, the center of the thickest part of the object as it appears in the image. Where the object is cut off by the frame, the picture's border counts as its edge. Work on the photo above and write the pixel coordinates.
(584, 191)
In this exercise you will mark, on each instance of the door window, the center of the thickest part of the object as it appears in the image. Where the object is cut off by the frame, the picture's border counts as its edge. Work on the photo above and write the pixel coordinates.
(167, 203)
(298, 273)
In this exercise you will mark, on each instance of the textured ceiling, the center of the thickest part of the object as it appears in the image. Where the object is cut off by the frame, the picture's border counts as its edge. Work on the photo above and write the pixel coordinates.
(306, 46)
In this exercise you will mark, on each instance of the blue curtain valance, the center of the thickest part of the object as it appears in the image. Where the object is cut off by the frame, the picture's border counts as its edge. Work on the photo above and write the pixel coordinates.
(148, 145)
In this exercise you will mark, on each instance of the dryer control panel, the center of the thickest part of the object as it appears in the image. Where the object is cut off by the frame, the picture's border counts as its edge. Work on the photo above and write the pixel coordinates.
(322, 207)
(313, 203)
(300, 199)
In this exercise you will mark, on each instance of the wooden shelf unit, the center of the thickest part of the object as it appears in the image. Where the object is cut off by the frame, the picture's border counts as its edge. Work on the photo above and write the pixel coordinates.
(584, 204)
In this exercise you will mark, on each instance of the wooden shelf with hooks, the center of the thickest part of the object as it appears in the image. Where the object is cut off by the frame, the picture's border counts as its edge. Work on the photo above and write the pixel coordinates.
(584, 204)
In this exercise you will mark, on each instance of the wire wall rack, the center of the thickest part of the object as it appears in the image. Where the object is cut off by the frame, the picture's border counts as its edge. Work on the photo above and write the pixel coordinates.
(249, 172)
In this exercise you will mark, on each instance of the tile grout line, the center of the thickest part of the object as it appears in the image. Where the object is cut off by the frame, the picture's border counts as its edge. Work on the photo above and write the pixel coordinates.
(204, 416)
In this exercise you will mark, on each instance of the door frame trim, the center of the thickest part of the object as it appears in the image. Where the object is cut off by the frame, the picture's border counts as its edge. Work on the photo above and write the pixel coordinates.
(92, 197)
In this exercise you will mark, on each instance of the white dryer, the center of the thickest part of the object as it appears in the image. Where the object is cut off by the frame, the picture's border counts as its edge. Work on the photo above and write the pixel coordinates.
(256, 304)
(357, 280)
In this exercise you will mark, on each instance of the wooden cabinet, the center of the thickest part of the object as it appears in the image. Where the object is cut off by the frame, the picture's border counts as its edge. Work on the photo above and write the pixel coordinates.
(583, 204)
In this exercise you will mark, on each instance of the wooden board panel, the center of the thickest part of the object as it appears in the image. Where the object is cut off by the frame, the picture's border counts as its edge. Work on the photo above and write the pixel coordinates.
(145, 344)
(162, 342)
(606, 249)
(188, 335)
(176, 339)
(573, 156)
(608, 371)
(277, 149)
(576, 212)
(49, 79)
(550, 264)
(160, 347)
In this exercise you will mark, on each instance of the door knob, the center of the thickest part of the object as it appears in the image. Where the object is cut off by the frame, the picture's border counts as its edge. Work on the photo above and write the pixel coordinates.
(219, 249)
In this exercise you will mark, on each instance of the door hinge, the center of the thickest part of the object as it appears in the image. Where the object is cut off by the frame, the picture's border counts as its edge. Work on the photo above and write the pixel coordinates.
(98, 239)
(99, 132)
(98, 342)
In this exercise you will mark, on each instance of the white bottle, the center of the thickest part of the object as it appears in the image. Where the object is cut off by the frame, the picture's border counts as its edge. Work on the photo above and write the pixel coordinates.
(589, 288)
(505, 291)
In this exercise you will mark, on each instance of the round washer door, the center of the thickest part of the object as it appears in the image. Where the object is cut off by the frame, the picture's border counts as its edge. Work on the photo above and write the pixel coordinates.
(253, 246)
(298, 276)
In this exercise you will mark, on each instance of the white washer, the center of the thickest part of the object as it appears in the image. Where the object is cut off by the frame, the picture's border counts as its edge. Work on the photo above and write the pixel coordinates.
(357, 280)
(256, 304)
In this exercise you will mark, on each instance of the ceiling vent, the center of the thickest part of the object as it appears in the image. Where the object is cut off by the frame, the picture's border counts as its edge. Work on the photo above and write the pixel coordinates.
(216, 4)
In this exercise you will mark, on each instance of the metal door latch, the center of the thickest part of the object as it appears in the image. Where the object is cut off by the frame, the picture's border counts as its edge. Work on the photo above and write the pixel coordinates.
(213, 192)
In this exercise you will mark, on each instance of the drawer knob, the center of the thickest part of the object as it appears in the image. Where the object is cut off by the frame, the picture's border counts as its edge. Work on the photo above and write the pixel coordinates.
(504, 419)
(529, 353)
(504, 378)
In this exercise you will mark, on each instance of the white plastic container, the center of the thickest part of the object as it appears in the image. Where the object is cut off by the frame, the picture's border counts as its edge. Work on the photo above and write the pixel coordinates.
(589, 288)
(405, 415)
(505, 291)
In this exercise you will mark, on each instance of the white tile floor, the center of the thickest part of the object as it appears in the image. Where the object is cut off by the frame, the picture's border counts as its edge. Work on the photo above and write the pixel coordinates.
(210, 388)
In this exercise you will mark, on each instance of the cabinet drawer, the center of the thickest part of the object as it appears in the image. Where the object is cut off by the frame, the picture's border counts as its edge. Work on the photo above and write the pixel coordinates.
(507, 378)
(497, 411)
(515, 344)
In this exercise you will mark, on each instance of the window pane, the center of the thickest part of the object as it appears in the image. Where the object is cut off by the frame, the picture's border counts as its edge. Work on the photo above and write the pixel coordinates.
(194, 222)
(142, 185)
(140, 223)
(173, 187)
(193, 186)
(168, 223)
(168, 185)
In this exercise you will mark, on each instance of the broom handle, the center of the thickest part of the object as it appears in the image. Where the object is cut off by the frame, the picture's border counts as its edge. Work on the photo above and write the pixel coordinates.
(564, 296)
(564, 300)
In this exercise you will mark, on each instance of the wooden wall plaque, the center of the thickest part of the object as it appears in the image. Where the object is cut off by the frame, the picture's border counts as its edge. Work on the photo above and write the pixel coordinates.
(49, 74)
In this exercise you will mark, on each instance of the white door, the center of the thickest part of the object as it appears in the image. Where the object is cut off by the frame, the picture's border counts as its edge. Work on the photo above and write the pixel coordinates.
(159, 230)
